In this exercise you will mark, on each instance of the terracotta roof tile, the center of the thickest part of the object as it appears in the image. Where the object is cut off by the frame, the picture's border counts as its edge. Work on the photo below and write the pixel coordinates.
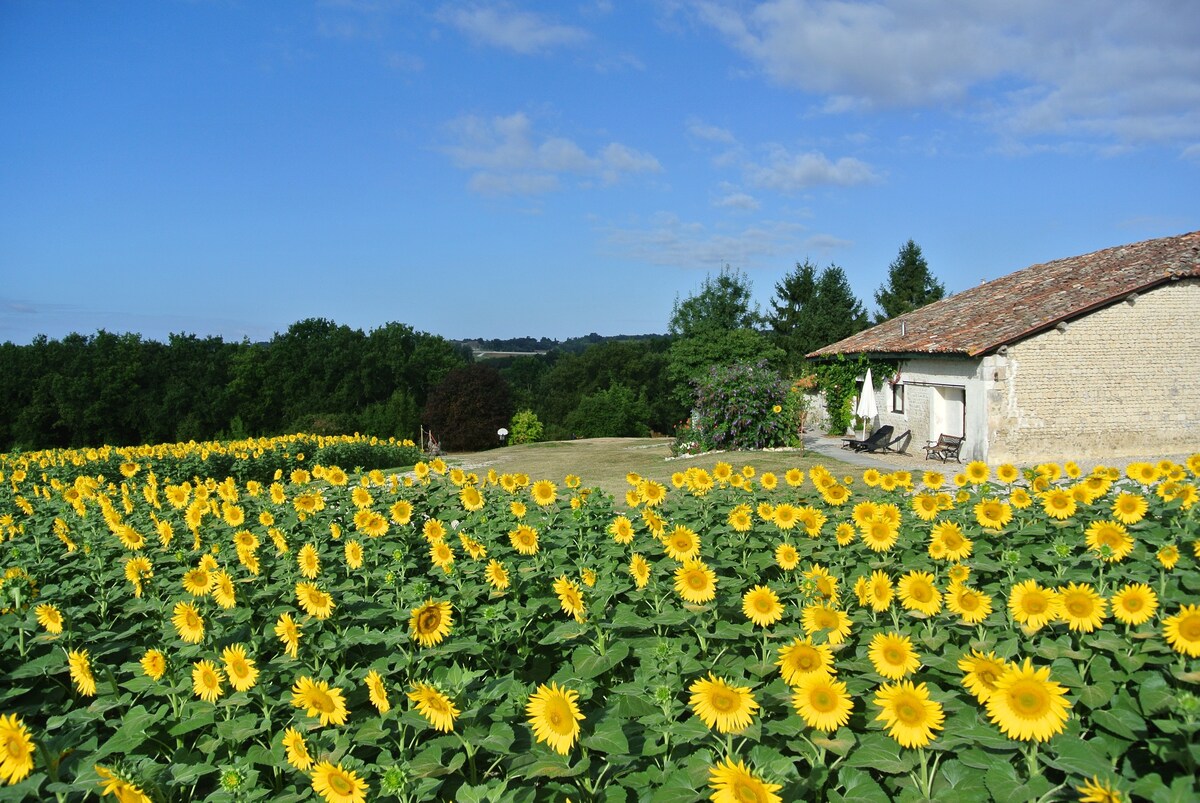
(1020, 304)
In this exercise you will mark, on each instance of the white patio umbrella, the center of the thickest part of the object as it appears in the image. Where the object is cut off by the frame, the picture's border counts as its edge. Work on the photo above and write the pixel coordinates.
(866, 408)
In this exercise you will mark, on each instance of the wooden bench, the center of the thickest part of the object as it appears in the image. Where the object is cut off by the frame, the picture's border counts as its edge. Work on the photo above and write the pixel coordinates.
(945, 447)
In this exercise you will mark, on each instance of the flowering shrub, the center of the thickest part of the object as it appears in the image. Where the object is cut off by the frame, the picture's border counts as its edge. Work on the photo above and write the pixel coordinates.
(740, 406)
(1002, 634)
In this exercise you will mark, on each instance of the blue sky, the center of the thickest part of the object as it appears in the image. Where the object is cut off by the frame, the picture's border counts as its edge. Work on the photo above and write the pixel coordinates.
(501, 169)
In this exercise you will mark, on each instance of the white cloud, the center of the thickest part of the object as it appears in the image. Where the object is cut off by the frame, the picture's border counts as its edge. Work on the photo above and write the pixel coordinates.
(787, 172)
(667, 240)
(702, 130)
(826, 243)
(510, 157)
(509, 29)
(1191, 153)
(737, 200)
(1107, 69)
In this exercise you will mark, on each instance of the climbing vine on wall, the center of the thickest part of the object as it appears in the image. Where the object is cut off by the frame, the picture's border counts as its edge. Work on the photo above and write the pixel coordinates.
(838, 379)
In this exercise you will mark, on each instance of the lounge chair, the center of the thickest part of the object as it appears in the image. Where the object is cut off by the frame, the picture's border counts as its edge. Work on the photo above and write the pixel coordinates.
(903, 439)
(945, 447)
(872, 442)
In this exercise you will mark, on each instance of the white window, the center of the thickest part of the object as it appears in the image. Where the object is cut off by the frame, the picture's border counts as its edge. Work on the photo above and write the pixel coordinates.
(898, 398)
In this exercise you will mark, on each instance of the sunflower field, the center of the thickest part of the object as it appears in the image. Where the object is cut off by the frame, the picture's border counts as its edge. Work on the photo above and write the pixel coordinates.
(333, 634)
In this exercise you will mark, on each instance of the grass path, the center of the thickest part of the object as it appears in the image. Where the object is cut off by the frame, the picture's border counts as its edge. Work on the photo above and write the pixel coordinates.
(604, 462)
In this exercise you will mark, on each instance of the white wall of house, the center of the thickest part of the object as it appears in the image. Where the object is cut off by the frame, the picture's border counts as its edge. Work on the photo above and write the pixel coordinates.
(941, 396)
(1123, 381)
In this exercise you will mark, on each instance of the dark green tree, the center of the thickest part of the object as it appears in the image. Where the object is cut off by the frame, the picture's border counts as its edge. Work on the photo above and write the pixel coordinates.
(467, 408)
(810, 311)
(716, 326)
(909, 285)
(723, 302)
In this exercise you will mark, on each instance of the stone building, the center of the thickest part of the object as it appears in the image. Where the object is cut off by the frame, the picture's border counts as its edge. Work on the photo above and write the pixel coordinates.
(1091, 358)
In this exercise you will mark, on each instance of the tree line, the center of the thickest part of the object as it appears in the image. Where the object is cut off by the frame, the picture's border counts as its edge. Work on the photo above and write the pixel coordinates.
(392, 381)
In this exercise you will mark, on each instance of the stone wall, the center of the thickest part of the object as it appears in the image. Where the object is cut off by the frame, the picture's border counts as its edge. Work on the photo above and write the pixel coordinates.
(1123, 381)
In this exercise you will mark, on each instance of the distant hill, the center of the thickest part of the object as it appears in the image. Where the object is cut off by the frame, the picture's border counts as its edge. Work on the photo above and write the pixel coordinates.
(485, 348)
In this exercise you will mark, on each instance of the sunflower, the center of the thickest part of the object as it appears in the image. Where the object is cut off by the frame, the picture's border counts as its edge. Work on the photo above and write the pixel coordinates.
(640, 570)
(801, 658)
(433, 530)
(1129, 508)
(240, 670)
(319, 699)
(768, 481)
(297, 749)
(369, 522)
(223, 592)
(470, 498)
(835, 494)
(1058, 503)
(338, 785)
(497, 575)
(926, 506)
(918, 593)
(740, 518)
(784, 516)
(880, 535)
(441, 555)
(971, 604)
(1033, 606)
(430, 622)
(893, 655)
(16, 749)
(288, 632)
(1081, 607)
(315, 602)
(816, 618)
(113, 784)
(206, 681)
(1182, 631)
(377, 692)
(845, 533)
(822, 701)
(544, 493)
(401, 512)
(863, 513)
(49, 617)
(735, 783)
(1168, 556)
(554, 715)
(720, 705)
(188, 622)
(811, 519)
(879, 591)
(949, 542)
(911, 717)
(1098, 791)
(1027, 705)
(434, 706)
(524, 539)
(197, 582)
(154, 664)
(1134, 604)
(992, 514)
(980, 673)
(621, 530)
(761, 606)
(308, 561)
(695, 582)
(682, 544)
(977, 472)
(1109, 540)
(652, 493)
(353, 553)
(570, 597)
